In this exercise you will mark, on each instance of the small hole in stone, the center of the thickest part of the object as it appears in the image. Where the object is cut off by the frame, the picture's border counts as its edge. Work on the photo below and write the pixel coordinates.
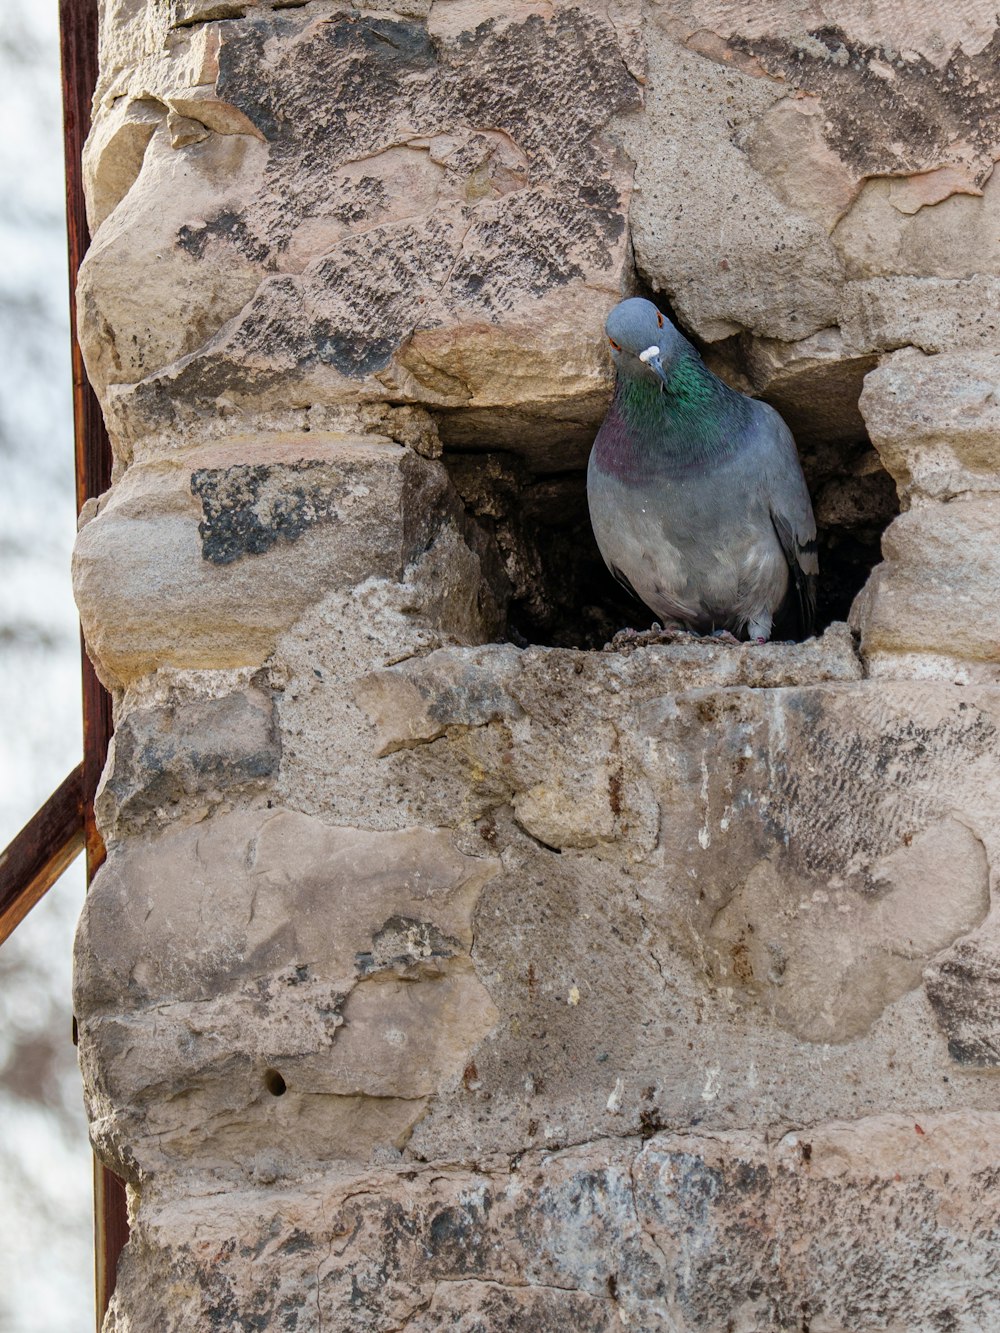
(274, 1083)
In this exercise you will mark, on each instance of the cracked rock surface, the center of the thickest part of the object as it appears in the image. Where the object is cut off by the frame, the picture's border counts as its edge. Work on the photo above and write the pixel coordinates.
(444, 973)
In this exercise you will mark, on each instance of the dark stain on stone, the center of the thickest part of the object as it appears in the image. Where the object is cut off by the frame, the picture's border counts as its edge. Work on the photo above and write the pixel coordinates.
(333, 86)
(964, 991)
(864, 760)
(888, 113)
(168, 755)
(650, 1122)
(202, 378)
(750, 1178)
(248, 508)
(360, 199)
(298, 1242)
(342, 89)
(698, 1186)
(457, 1237)
(353, 354)
(741, 961)
(615, 781)
(229, 228)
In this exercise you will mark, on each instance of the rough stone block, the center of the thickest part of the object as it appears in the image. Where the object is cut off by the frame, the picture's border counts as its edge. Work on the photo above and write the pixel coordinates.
(936, 422)
(831, 1227)
(963, 986)
(932, 608)
(419, 702)
(204, 561)
(280, 973)
(185, 757)
(500, 225)
(932, 314)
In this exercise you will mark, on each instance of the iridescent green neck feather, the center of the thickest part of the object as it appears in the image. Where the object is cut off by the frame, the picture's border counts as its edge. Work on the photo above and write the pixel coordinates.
(656, 428)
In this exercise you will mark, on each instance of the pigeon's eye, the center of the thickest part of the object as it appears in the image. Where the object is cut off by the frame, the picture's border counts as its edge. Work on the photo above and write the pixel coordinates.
(614, 344)
(659, 319)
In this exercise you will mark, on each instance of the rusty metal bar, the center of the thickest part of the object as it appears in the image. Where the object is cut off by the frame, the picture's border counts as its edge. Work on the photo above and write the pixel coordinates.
(78, 28)
(49, 842)
(78, 34)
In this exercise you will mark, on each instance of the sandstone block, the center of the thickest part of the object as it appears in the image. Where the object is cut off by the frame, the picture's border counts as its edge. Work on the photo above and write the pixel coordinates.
(171, 571)
(892, 229)
(936, 422)
(933, 314)
(280, 972)
(931, 607)
(823, 1226)
(184, 757)
(703, 221)
(500, 226)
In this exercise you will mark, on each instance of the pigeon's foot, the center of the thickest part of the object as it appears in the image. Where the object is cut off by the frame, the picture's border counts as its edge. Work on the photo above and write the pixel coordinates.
(723, 636)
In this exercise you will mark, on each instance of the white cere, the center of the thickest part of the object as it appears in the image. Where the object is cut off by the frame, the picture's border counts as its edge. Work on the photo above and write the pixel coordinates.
(649, 353)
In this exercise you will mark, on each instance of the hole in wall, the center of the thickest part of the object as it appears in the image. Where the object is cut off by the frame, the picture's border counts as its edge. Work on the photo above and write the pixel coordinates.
(532, 503)
(274, 1083)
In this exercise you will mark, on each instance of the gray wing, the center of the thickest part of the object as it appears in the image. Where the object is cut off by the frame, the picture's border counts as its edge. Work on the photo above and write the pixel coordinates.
(791, 513)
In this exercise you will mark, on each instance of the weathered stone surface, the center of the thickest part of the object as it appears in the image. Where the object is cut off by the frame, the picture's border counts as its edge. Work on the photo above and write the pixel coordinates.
(936, 422)
(828, 963)
(931, 608)
(963, 987)
(833, 1228)
(928, 609)
(170, 572)
(117, 148)
(766, 866)
(417, 701)
(802, 178)
(500, 227)
(932, 314)
(703, 221)
(433, 981)
(182, 758)
(889, 232)
(446, 689)
(283, 977)
(887, 1224)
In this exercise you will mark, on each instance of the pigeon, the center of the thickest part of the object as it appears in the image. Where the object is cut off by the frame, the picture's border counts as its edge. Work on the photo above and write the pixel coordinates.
(696, 493)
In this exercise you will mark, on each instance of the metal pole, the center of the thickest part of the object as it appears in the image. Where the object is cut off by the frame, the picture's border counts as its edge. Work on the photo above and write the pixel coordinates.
(79, 49)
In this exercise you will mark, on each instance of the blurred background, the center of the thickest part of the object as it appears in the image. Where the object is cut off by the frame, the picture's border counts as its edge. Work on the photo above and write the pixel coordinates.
(46, 1229)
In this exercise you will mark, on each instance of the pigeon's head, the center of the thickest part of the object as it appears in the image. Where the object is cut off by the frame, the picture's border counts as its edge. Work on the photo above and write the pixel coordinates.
(643, 341)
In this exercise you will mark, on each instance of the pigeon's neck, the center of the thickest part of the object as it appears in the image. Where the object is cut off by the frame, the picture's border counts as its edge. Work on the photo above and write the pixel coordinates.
(656, 428)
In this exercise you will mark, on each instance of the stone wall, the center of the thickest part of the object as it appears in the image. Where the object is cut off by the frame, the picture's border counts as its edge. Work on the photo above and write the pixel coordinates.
(446, 971)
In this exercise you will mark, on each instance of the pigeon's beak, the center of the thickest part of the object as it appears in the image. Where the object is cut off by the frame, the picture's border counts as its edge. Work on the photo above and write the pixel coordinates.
(651, 358)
